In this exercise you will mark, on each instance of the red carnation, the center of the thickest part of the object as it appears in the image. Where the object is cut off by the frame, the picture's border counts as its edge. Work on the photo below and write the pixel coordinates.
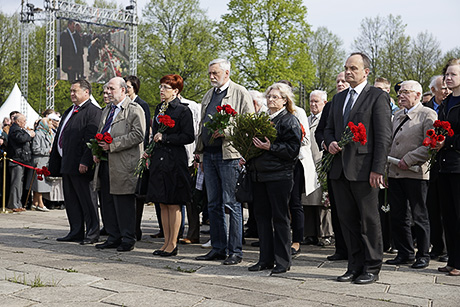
(440, 138)
(108, 138)
(427, 141)
(445, 125)
(166, 120)
(437, 124)
(99, 137)
(431, 133)
(434, 142)
(450, 132)
(219, 108)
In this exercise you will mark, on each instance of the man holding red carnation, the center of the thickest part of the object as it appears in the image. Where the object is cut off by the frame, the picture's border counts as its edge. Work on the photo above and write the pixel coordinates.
(407, 189)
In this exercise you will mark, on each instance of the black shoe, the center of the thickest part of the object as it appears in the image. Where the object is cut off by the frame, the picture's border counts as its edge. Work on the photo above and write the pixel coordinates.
(108, 244)
(294, 251)
(69, 238)
(157, 235)
(348, 276)
(260, 267)
(399, 260)
(421, 263)
(89, 241)
(125, 247)
(232, 259)
(366, 278)
(336, 257)
(310, 241)
(434, 255)
(158, 252)
(103, 232)
(166, 254)
(212, 255)
(278, 269)
(443, 258)
(255, 244)
(250, 234)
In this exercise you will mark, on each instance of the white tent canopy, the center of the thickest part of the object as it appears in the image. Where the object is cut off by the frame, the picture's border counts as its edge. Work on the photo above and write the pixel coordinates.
(13, 103)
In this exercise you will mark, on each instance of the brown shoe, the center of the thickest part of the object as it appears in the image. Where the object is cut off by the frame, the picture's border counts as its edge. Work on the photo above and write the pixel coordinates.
(19, 209)
(454, 272)
(445, 269)
(188, 241)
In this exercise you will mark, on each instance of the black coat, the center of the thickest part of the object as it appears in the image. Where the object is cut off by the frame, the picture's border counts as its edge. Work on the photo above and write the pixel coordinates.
(146, 109)
(19, 144)
(448, 158)
(169, 177)
(80, 128)
(278, 162)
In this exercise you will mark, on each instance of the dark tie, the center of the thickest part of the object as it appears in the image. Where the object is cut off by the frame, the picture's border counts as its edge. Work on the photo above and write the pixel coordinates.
(109, 120)
(218, 91)
(75, 110)
(346, 112)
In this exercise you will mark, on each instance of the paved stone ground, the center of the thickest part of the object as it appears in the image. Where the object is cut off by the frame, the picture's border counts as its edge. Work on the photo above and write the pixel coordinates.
(36, 270)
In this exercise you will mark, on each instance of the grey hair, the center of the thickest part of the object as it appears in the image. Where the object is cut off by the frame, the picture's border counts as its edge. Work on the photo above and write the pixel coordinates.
(319, 93)
(286, 93)
(223, 64)
(414, 85)
(433, 82)
(258, 97)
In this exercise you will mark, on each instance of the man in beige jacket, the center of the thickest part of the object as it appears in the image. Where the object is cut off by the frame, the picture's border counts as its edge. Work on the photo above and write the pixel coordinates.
(409, 187)
(124, 119)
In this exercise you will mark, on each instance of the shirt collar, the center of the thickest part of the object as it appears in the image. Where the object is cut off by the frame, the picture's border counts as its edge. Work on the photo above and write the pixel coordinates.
(225, 86)
(411, 109)
(272, 116)
(359, 88)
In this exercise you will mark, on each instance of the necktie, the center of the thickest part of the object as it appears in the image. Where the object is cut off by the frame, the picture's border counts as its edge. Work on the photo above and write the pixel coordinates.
(109, 120)
(75, 110)
(218, 91)
(346, 112)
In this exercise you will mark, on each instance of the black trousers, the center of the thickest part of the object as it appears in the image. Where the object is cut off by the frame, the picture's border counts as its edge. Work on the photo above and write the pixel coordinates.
(357, 207)
(80, 208)
(271, 209)
(407, 198)
(433, 203)
(295, 204)
(449, 187)
(340, 246)
(118, 211)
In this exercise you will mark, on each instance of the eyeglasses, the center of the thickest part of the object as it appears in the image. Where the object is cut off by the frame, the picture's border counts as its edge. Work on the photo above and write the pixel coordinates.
(165, 87)
(274, 97)
(405, 92)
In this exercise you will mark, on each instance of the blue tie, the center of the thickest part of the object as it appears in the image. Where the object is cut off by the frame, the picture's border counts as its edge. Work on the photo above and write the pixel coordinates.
(109, 120)
(346, 112)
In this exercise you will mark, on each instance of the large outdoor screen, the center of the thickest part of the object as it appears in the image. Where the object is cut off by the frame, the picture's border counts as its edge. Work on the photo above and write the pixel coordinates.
(93, 52)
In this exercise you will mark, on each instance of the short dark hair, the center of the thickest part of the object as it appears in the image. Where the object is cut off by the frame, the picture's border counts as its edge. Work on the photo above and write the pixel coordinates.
(135, 82)
(366, 60)
(175, 81)
(83, 84)
(47, 112)
(70, 21)
(12, 113)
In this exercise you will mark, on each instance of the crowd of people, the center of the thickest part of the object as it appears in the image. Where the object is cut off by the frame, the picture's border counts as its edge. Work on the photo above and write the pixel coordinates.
(381, 195)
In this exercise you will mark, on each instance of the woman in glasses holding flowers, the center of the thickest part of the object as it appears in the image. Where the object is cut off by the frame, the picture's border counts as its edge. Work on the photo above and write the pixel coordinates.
(169, 181)
(272, 175)
(449, 168)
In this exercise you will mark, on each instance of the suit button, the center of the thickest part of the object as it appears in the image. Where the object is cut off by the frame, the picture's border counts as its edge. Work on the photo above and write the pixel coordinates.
(161, 159)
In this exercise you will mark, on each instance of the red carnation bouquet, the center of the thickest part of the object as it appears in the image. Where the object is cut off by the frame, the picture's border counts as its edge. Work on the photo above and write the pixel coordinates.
(220, 120)
(435, 136)
(95, 148)
(42, 172)
(165, 122)
(352, 133)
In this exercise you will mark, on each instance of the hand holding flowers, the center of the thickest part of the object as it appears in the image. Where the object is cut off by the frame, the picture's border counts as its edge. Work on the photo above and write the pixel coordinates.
(99, 145)
(220, 121)
(435, 139)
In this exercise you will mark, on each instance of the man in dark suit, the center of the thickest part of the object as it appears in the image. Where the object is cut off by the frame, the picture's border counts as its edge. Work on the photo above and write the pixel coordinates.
(357, 170)
(72, 158)
(133, 83)
(69, 54)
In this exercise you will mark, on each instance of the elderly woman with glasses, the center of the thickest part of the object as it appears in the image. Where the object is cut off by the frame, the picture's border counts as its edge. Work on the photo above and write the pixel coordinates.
(272, 175)
(169, 181)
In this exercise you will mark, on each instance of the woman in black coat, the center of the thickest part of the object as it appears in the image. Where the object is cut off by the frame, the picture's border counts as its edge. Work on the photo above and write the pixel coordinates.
(272, 174)
(169, 181)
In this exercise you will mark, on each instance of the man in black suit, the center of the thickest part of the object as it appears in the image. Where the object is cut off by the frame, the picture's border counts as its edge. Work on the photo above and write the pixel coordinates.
(357, 170)
(72, 158)
(69, 54)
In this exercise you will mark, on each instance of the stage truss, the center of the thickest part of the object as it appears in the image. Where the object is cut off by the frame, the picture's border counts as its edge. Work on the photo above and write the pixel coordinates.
(56, 9)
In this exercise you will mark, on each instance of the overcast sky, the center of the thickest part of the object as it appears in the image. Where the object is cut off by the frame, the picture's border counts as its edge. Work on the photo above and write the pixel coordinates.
(441, 17)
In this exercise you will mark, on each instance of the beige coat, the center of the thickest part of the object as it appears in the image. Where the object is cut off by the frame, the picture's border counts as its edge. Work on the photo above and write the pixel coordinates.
(407, 143)
(127, 130)
(240, 100)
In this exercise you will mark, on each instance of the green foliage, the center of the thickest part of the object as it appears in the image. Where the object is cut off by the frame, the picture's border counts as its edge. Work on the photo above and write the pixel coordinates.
(175, 37)
(267, 41)
(247, 126)
(10, 54)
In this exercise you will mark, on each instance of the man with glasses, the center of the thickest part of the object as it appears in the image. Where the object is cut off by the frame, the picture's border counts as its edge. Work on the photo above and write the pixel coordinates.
(357, 170)
(220, 163)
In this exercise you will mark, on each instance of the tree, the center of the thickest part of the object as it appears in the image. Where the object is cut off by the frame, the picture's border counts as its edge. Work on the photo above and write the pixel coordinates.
(328, 57)
(175, 37)
(266, 40)
(10, 54)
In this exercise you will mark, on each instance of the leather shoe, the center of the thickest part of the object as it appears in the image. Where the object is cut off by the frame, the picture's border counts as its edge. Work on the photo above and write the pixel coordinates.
(294, 251)
(310, 241)
(278, 269)
(89, 241)
(232, 259)
(445, 269)
(69, 239)
(260, 267)
(107, 244)
(126, 247)
(167, 254)
(188, 241)
(399, 260)
(420, 263)
(348, 276)
(212, 255)
(158, 252)
(336, 257)
(366, 278)
(443, 258)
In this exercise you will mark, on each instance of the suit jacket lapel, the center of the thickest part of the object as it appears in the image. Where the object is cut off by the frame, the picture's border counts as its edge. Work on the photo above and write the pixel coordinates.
(361, 98)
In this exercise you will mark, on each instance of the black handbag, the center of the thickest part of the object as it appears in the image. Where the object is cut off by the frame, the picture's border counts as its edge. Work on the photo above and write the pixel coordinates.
(243, 191)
